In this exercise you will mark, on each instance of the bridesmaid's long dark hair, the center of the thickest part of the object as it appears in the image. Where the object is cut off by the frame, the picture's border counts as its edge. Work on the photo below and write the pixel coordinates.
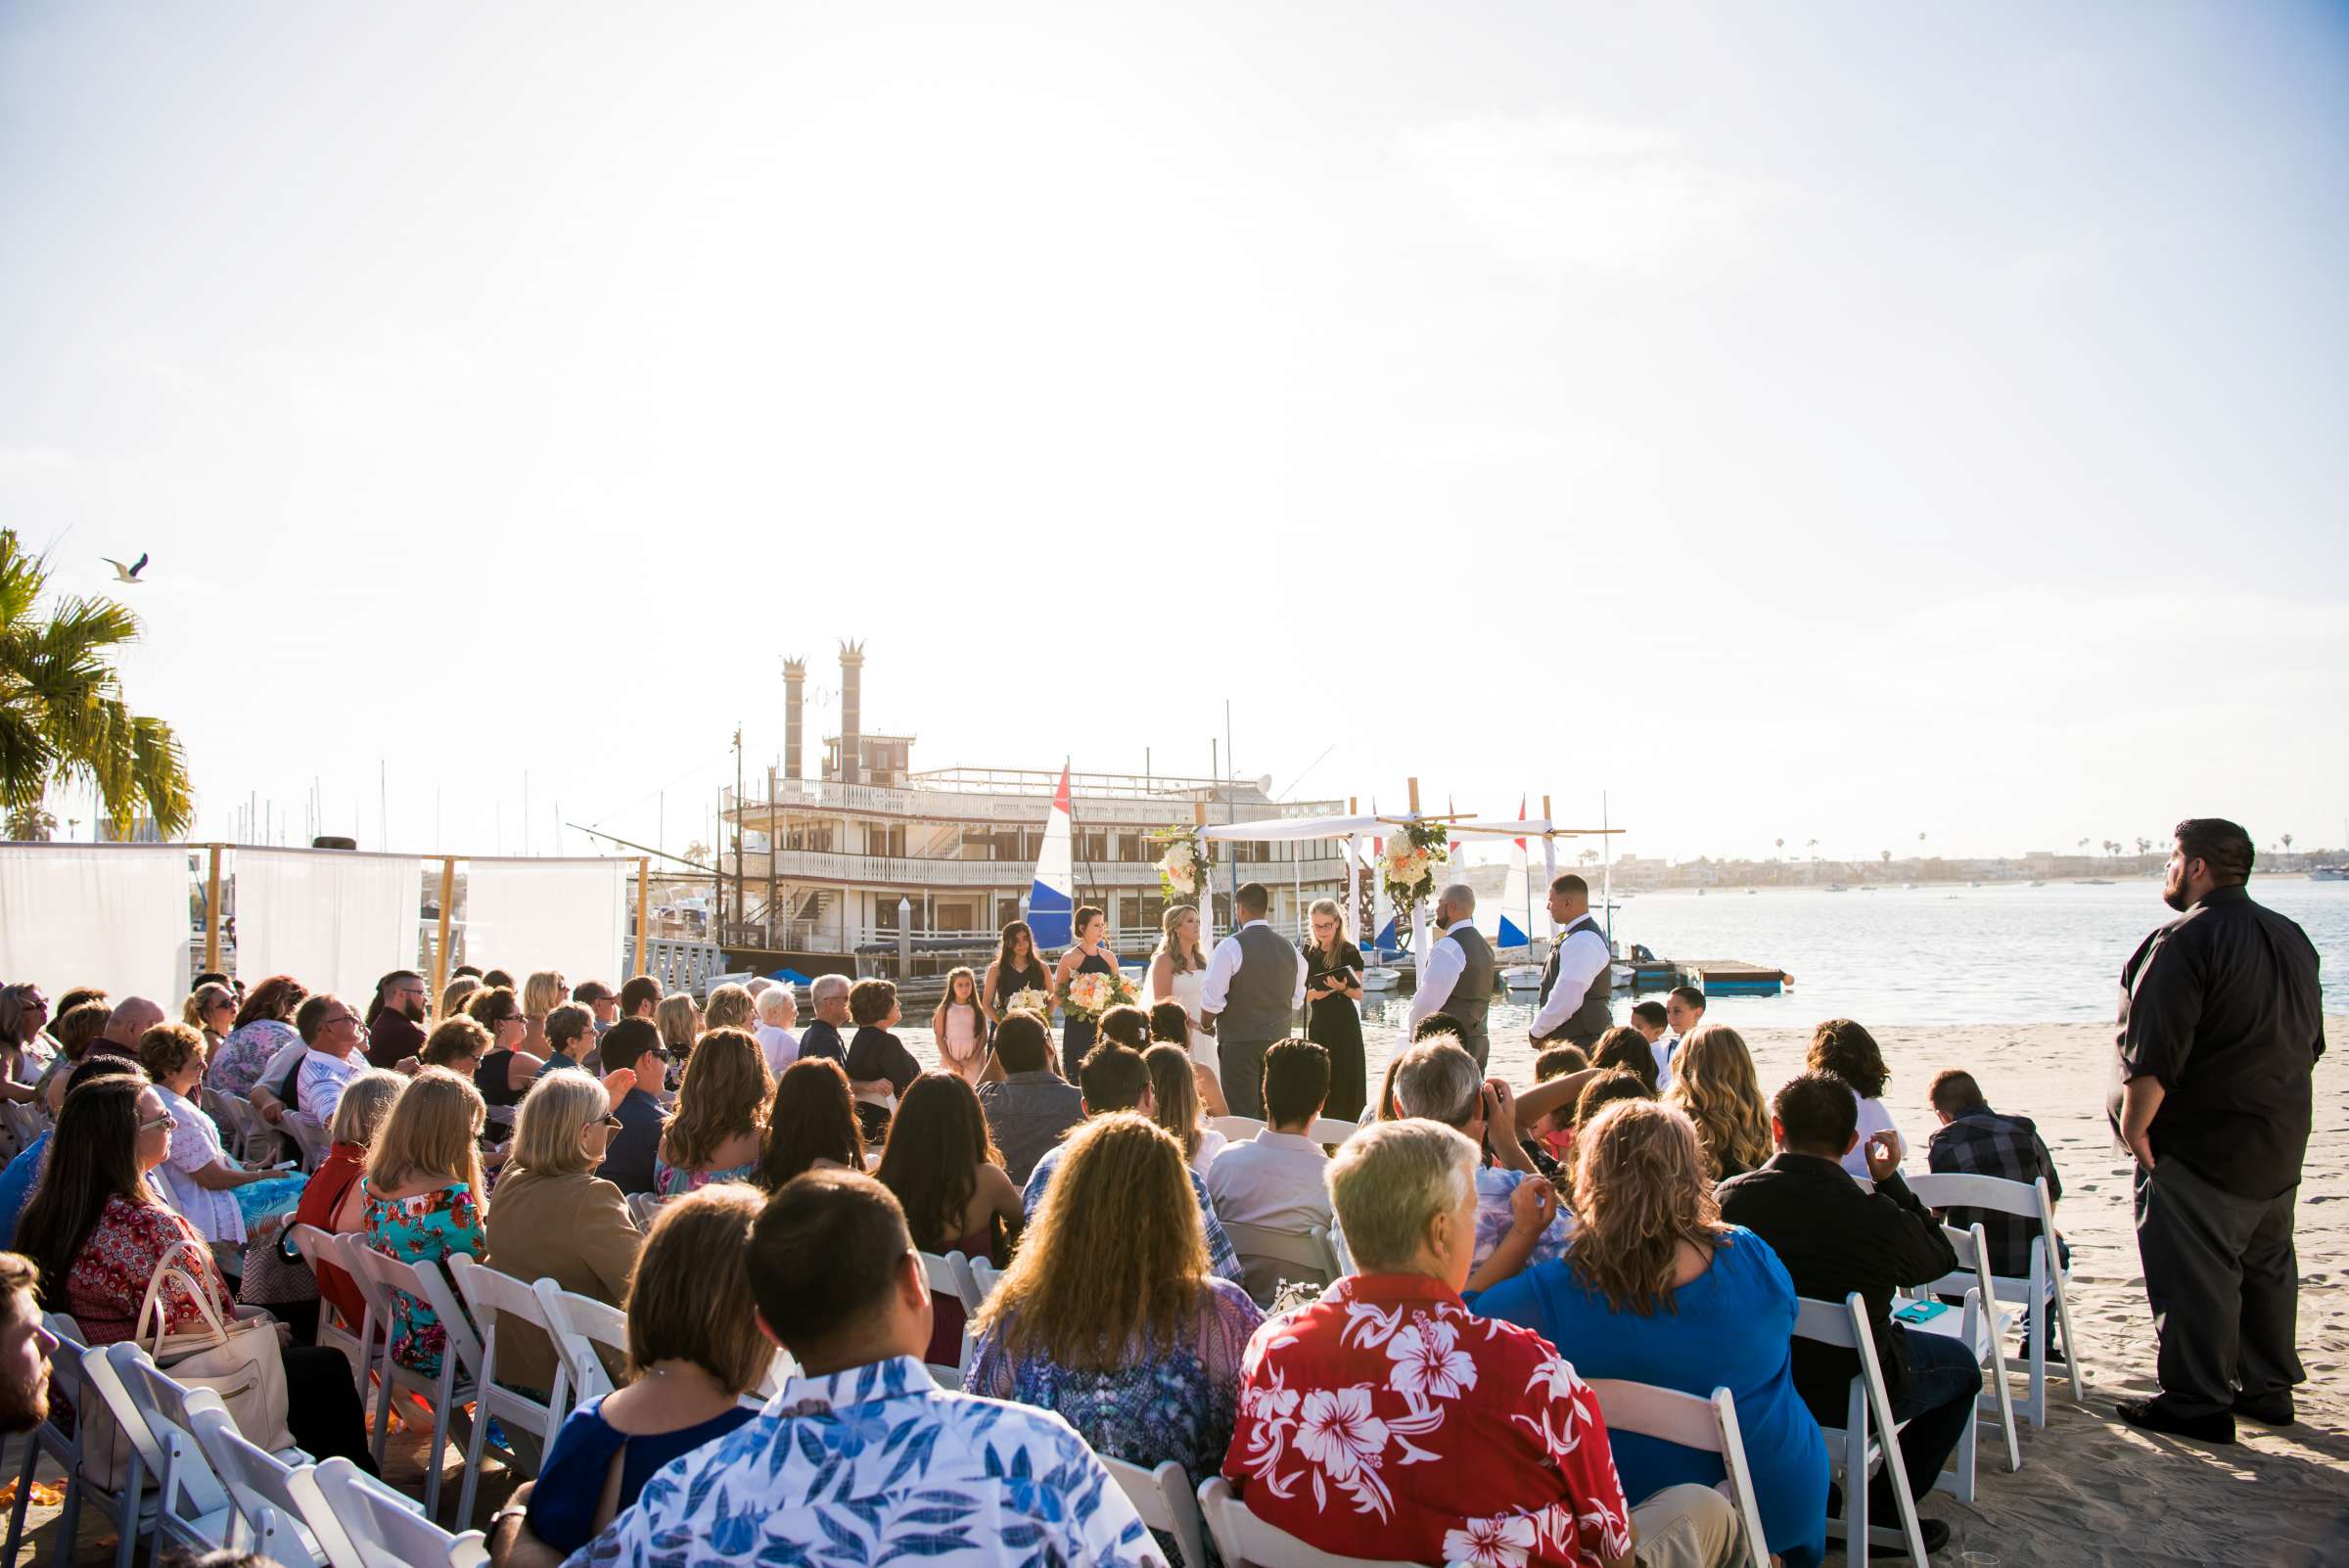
(1004, 969)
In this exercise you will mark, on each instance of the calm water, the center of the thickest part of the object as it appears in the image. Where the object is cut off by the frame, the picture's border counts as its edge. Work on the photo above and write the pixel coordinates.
(1998, 954)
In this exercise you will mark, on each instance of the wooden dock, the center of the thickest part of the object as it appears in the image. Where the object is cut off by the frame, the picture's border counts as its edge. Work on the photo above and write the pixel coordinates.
(1733, 977)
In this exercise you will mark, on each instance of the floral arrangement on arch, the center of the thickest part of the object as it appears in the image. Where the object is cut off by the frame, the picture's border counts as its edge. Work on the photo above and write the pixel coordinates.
(1092, 993)
(1413, 852)
(1186, 869)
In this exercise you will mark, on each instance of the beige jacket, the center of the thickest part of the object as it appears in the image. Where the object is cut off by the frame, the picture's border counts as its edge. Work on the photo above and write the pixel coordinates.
(574, 1230)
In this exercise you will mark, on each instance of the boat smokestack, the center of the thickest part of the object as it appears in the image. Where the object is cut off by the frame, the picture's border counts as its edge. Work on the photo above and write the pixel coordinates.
(852, 712)
(794, 687)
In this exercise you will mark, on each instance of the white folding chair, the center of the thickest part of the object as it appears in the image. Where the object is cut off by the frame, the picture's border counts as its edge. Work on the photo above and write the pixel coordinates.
(983, 1276)
(2041, 1290)
(1164, 1498)
(1708, 1425)
(357, 1341)
(377, 1531)
(1870, 1437)
(1338, 1250)
(1989, 1341)
(71, 1394)
(493, 1298)
(308, 1135)
(259, 1484)
(193, 1508)
(644, 1208)
(1236, 1127)
(1246, 1542)
(1330, 1130)
(456, 1385)
(1269, 1257)
(577, 1324)
(109, 1415)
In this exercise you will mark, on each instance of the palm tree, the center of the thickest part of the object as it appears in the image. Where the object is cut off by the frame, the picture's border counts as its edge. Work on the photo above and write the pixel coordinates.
(1887, 854)
(2287, 841)
(62, 720)
(31, 824)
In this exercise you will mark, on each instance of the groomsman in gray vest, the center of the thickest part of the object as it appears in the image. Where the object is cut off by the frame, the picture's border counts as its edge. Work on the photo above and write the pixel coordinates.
(1255, 984)
(1455, 978)
(1578, 988)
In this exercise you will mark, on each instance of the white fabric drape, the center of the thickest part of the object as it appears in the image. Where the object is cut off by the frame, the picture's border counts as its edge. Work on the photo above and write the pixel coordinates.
(567, 916)
(113, 915)
(333, 920)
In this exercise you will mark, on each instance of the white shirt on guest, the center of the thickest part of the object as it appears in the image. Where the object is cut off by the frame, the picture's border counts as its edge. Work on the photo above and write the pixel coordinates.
(1447, 961)
(779, 1045)
(324, 1077)
(1224, 963)
(1663, 1049)
(1272, 1180)
(1582, 958)
(1873, 1119)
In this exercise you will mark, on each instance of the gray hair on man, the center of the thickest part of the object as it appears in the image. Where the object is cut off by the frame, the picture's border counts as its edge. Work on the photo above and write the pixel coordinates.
(777, 1007)
(826, 987)
(1389, 1182)
(1439, 1080)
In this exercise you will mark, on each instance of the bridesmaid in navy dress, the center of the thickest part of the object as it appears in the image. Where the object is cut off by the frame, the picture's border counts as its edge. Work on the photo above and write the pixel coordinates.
(1087, 957)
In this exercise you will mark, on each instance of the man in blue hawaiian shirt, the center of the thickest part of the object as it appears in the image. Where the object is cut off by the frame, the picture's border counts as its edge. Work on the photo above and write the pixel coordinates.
(861, 1457)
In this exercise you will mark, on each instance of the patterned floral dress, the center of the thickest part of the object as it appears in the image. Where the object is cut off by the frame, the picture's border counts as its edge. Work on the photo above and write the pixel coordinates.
(108, 1279)
(238, 1063)
(671, 1183)
(1174, 1401)
(423, 1229)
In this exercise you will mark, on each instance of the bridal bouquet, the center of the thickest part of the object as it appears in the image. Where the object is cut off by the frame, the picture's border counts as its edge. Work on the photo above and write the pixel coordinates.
(1091, 995)
(1410, 861)
(1031, 1000)
(1183, 870)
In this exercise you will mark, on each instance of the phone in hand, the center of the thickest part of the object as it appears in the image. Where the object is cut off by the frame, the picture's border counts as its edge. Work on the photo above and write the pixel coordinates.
(1921, 1312)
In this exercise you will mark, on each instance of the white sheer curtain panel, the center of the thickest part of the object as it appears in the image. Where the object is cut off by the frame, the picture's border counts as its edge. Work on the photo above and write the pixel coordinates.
(98, 914)
(335, 920)
(566, 915)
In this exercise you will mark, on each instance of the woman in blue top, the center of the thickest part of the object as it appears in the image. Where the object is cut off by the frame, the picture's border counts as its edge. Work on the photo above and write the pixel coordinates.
(694, 1349)
(1655, 1289)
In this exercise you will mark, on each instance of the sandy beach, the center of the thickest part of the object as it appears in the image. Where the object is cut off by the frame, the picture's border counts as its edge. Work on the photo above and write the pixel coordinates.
(2093, 1491)
(2090, 1490)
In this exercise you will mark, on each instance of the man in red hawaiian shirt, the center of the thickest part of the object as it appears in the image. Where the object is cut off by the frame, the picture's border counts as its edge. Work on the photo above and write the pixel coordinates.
(1386, 1420)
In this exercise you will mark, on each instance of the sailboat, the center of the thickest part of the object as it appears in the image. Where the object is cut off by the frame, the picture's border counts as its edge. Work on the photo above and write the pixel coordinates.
(1516, 899)
(1378, 974)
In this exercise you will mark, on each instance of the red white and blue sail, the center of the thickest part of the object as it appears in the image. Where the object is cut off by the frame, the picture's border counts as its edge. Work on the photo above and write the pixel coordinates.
(1051, 900)
(1516, 895)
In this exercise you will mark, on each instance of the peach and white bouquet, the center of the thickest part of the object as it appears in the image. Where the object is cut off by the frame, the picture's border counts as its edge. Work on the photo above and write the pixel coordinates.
(1092, 993)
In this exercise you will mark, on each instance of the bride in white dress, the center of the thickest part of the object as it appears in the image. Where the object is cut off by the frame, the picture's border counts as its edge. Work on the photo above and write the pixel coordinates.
(1178, 973)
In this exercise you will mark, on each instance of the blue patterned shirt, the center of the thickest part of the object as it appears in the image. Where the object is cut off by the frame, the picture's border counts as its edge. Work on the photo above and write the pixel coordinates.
(875, 1465)
(1219, 1254)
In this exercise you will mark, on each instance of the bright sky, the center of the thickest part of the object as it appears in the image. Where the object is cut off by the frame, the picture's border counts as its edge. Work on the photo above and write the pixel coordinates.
(1840, 426)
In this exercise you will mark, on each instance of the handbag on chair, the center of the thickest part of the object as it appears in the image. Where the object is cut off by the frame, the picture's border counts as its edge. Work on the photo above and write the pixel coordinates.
(238, 1359)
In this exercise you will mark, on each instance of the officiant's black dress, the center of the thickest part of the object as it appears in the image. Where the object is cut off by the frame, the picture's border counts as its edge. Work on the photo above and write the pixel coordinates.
(1337, 1027)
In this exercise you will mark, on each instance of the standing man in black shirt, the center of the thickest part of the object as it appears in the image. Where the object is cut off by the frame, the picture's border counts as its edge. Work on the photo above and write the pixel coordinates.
(2222, 1021)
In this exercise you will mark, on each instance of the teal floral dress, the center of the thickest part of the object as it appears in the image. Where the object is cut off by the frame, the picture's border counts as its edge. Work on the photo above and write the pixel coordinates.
(423, 1229)
(671, 1183)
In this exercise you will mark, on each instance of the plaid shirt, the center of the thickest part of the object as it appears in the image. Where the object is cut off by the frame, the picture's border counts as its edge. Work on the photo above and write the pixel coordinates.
(1985, 1143)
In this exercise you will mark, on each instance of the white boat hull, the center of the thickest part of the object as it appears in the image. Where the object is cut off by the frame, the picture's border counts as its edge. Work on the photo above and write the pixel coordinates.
(1378, 977)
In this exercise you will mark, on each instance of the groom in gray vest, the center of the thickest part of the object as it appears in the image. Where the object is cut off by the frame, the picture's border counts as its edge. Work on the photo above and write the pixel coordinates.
(1455, 978)
(1255, 984)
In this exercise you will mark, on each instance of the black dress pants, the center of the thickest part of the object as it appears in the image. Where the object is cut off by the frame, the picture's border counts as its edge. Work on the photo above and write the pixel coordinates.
(2224, 1283)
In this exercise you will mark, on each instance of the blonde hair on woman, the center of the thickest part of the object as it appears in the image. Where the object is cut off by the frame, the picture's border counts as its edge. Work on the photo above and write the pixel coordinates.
(689, 1298)
(1713, 1082)
(1184, 960)
(731, 1007)
(1120, 1191)
(453, 994)
(1329, 907)
(554, 1113)
(433, 1132)
(367, 1100)
(725, 1092)
(206, 996)
(1641, 1190)
(679, 1022)
(542, 992)
(1174, 1095)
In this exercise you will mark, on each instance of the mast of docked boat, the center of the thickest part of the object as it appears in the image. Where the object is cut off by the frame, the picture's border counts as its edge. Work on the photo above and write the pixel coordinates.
(1606, 874)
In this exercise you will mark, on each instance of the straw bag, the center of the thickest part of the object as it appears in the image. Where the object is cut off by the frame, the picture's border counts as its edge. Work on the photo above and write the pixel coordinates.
(238, 1359)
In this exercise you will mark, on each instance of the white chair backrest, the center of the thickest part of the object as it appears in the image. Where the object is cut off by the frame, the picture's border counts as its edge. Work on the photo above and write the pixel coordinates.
(577, 1324)
(1236, 1127)
(948, 1378)
(1337, 1248)
(644, 1208)
(1164, 1498)
(940, 1274)
(168, 1410)
(1708, 1425)
(488, 1295)
(1247, 1542)
(984, 1276)
(1270, 1257)
(429, 1285)
(1949, 1189)
(378, 1532)
(1330, 1130)
(310, 1134)
(260, 1486)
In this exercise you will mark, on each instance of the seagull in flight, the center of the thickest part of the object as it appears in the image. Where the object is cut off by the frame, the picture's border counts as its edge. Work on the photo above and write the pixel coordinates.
(126, 574)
